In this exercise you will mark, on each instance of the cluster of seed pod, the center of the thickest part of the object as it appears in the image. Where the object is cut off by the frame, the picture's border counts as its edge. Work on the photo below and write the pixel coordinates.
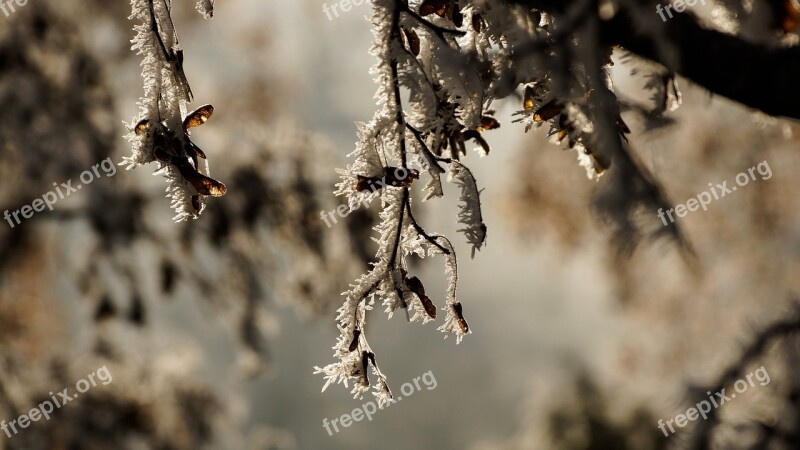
(177, 149)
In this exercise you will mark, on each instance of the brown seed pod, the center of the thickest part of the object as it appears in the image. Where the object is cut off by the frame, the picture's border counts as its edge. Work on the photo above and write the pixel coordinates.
(527, 101)
(474, 135)
(197, 150)
(203, 184)
(354, 343)
(415, 285)
(548, 111)
(394, 176)
(412, 40)
(400, 176)
(460, 315)
(430, 308)
(198, 117)
(428, 7)
(488, 123)
(142, 127)
(365, 183)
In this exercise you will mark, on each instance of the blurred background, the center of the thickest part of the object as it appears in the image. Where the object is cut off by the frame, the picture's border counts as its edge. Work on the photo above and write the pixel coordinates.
(211, 328)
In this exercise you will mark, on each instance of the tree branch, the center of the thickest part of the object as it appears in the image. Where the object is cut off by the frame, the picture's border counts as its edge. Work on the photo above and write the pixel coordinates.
(760, 76)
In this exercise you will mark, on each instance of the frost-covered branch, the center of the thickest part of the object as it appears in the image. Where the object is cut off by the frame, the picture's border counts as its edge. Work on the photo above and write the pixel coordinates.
(160, 133)
(451, 60)
(402, 143)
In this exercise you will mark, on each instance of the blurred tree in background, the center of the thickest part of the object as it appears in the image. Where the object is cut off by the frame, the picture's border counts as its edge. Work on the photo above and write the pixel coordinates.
(82, 282)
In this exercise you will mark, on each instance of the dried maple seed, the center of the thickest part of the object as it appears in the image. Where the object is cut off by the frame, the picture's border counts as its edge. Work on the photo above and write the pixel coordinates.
(395, 177)
(364, 183)
(198, 117)
(415, 286)
(399, 176)
(548, 111)
(354, 343)
(203, 184)
(430, 308)
(429, 7)
(488, 123)
(527, 102)
(460, 316)
(447, 11)
(412, 40)
(197, 150)
(142, 127)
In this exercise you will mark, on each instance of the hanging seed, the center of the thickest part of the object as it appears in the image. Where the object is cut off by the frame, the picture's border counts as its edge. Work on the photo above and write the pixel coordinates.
(527, 102)
(198, 117)
(460, 316)
(354, 342)
(548, 111)
(428, 7)
(142, 127)
(203, 184)
(412, 40)
(488, 123)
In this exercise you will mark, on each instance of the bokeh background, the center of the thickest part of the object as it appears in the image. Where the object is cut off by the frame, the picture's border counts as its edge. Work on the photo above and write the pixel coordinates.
(211, 328)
